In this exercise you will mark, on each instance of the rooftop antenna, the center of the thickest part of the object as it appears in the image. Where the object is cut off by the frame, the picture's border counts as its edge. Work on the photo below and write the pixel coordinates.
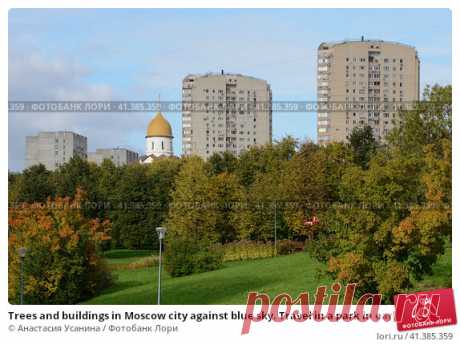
(159, 103)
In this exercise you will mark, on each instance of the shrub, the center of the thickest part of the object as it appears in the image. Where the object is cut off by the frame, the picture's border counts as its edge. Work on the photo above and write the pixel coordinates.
(62, 264)
(184, 257)
(144, 262)
(126, 253)
(289, 246)
(246, 250)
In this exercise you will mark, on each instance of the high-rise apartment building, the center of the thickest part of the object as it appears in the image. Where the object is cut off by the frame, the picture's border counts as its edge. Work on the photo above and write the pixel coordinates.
(52, 149)
(224, 112)
(118, 156)
(364, 82)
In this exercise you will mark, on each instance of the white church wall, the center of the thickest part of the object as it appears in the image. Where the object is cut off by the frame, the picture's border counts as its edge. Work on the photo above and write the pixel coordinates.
(159, 146)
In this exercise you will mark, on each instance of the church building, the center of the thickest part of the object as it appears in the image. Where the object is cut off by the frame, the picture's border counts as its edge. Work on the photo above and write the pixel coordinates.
(158, 140)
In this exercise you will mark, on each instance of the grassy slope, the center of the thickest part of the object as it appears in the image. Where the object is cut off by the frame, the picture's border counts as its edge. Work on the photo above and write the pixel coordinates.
(230, 285)
(442, 274)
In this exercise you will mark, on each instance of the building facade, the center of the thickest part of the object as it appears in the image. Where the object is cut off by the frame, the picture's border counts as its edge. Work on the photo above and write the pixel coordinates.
(53, 149)
(118, 156)
(364, 82)
(224, 112)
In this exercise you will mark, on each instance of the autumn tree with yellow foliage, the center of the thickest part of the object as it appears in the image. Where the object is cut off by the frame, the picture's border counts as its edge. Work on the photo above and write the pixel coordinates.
(393, 216)
(62, 264)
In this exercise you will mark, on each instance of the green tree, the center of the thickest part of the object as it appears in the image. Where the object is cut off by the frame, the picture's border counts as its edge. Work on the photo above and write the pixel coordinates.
(231, 204)
(130, 210)
(33, 185)
(222, 162)
(161, 175)
(392, 222)
(305, 188)
(190, 245)
(258, 220)
(260, 159)
(428, 122)
(76, 173)
(194, 210)
(363, 145)
(393, 214)
(260, 172)
(138, 197)
(108, 177)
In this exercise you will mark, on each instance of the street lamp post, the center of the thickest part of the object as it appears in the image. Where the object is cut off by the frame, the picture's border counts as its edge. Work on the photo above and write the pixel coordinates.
(161, 231)
(22, 254)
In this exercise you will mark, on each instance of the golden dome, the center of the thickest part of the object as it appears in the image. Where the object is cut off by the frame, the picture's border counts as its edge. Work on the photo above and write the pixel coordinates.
(159, 127)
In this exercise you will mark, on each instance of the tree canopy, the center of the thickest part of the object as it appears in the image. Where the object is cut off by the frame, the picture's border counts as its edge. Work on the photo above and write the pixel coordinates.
(383, 210)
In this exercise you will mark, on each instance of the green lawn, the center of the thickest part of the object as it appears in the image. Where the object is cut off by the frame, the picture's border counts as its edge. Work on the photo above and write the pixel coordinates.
(230, 285)
(442, 274)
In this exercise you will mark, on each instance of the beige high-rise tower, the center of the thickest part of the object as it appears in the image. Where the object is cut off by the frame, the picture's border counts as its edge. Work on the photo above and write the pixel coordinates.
(224, 112)
(364, 82)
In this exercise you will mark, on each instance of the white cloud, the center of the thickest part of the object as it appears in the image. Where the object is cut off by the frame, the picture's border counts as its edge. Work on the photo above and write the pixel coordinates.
(34, 77)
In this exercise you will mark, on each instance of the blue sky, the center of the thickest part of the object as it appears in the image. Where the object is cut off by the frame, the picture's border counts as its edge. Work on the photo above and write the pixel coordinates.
(102, 54)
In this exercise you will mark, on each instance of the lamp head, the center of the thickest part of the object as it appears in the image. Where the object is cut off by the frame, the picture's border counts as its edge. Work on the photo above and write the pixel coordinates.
(161, 231)
(22, 252)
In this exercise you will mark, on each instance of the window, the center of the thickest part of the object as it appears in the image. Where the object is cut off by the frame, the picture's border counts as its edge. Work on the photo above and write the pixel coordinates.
(162, 145)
